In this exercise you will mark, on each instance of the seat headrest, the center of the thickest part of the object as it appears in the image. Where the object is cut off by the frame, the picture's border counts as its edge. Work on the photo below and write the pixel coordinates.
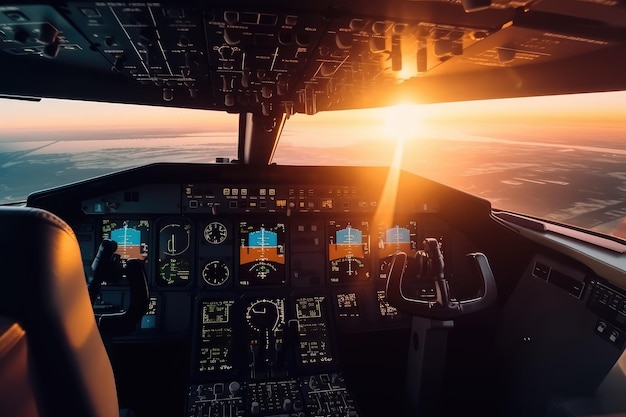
(43, 289)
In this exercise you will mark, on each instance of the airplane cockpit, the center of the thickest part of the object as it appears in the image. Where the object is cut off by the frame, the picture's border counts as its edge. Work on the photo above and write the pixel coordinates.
(248, 288)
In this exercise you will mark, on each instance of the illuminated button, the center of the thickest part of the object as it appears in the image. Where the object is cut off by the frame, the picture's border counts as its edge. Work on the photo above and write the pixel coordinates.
(244, 191)
(148, 322)
(281, 203)
(314, 228)
(272, 191)
(262, 191)
(300, 228)
(235, 191)
(226, 191)
(253, 204)
(301, 204)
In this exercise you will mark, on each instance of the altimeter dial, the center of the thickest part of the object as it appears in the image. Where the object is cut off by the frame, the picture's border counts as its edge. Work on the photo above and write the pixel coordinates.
(215, 233)
(215, 273)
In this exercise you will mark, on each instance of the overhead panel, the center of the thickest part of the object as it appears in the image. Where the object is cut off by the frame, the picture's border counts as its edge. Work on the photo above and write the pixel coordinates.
(270, 62)
(155, 45)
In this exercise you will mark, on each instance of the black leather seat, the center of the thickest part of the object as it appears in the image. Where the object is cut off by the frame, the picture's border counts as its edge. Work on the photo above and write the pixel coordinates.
(52, 359)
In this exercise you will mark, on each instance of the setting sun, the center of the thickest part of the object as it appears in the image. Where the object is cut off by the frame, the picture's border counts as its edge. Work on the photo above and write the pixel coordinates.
(401, 122)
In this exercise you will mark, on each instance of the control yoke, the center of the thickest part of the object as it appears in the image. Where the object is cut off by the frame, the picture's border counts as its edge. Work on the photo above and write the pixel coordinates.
(444, 307)
(113, 320)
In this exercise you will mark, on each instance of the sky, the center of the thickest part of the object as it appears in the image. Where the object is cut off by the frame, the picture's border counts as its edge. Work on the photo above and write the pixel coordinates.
(50, 119)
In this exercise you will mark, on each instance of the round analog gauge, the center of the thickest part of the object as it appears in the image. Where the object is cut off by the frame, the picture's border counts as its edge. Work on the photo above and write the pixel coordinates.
(215, 233)
(264, 315)
(215, 273)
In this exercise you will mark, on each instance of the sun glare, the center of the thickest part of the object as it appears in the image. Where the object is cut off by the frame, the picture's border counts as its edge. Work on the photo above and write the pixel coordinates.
(401, 122)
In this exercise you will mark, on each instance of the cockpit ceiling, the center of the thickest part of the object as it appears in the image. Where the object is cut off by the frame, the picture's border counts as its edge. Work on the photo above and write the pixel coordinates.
(306, 57)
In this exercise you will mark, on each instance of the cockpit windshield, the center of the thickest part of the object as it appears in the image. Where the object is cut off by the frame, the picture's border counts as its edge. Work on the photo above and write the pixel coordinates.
(560, 158)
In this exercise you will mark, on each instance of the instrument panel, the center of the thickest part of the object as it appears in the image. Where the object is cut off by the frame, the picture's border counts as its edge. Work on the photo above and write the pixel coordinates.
(265, 272)
(208, 246)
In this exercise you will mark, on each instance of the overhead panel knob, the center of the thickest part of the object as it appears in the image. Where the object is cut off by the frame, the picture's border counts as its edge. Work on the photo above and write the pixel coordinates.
(230, 17)
(285, 37)
(168, 94)
(344, 40)
(232, 36)
(229, 100)
(443, 47)
(377, 44)
(379, 27)
(304, 37)
(506, 55)
(357, 24)
(266, 91)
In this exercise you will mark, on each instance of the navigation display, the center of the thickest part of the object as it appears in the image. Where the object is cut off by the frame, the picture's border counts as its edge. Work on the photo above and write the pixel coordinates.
(175, 254)
(131, 236)
(216, 336)
(348, 251)
(262, 253)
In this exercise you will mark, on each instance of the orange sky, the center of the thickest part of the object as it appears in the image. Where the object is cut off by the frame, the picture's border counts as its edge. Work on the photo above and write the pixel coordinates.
(52, 118)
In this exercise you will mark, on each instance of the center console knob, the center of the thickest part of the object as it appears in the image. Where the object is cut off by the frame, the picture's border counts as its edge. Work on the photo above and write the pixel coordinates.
(287, 405)
(234, 387)
(297, 405)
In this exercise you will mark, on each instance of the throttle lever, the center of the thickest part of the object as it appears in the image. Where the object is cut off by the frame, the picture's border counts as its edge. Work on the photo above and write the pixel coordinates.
(443, 308)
